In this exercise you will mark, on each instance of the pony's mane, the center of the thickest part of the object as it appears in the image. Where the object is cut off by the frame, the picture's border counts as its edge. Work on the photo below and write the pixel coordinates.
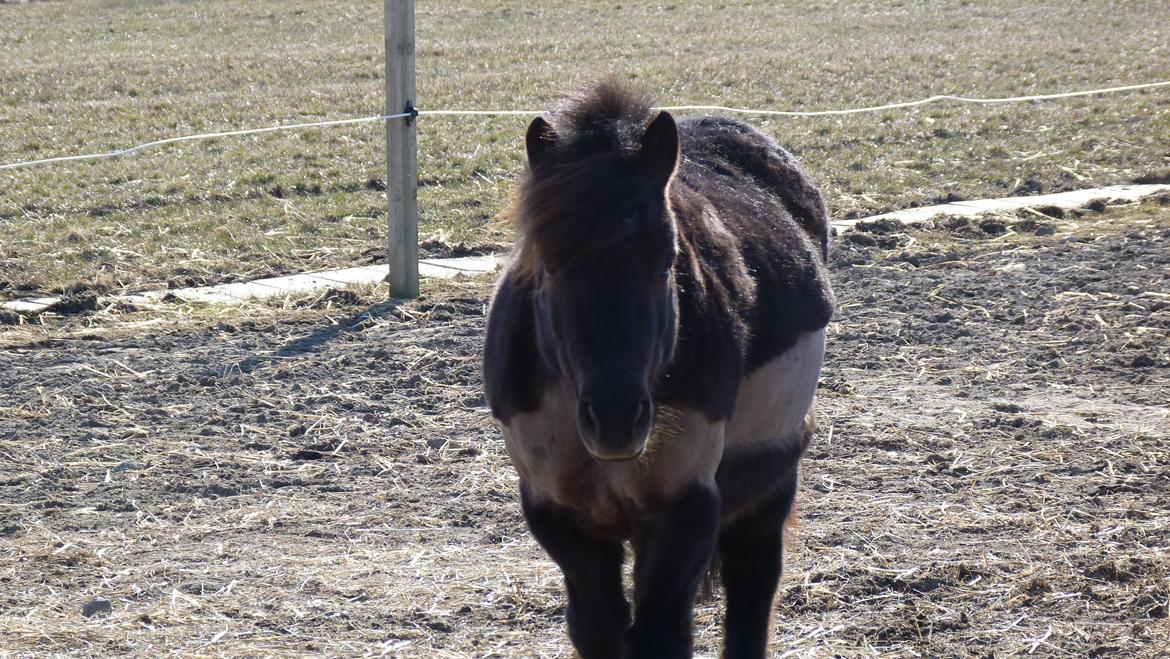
(559, 209)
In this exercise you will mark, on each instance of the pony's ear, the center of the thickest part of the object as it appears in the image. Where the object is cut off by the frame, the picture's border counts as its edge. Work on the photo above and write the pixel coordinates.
(539, 141)
(660, 148)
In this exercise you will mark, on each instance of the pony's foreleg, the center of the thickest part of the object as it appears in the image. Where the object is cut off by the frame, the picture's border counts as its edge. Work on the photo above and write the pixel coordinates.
(598, 614)
(750, 557)
(673, 544)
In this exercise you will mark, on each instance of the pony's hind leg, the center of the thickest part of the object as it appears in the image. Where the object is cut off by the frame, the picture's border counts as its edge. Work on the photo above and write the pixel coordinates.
(598, 614)
(673, 550)
(750, 552)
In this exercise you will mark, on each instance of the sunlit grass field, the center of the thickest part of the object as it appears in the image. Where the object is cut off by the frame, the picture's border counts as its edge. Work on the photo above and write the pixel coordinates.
(89, 76)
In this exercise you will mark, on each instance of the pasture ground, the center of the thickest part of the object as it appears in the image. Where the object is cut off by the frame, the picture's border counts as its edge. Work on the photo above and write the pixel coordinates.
(94, 75)
(991, 475)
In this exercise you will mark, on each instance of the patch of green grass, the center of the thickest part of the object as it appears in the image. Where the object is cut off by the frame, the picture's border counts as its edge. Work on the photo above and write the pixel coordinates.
(91, 75)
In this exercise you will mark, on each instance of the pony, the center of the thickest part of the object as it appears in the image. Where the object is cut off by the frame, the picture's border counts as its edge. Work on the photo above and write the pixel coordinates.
(652, 355)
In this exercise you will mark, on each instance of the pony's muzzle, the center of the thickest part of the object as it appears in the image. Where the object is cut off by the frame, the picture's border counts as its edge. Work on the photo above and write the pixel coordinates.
(615, 429)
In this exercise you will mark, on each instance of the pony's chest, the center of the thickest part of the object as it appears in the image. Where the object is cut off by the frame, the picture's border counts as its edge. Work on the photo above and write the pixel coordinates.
(555, 467)
(685, 448)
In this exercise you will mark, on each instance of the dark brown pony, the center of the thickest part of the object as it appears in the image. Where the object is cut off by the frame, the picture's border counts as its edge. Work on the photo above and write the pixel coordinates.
(652, 355)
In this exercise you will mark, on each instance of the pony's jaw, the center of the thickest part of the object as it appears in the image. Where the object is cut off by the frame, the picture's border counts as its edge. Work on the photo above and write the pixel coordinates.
(605, 456)
(616, 457)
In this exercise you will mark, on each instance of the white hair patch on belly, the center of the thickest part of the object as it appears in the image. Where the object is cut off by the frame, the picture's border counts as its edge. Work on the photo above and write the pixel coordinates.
(775, 399)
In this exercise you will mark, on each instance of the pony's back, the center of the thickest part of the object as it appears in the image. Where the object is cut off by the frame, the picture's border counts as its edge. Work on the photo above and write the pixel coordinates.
(739, 154)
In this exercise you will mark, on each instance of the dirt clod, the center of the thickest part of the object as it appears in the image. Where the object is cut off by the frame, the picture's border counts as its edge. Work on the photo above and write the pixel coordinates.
(97, 606)
(74, 303)
(993, 227)
(1143, 361)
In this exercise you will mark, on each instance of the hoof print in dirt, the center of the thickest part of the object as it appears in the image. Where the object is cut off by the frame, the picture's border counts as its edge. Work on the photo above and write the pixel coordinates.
(98, 606)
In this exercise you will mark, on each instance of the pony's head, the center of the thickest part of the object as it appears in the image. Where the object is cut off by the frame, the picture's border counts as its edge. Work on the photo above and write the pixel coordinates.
(599, 242)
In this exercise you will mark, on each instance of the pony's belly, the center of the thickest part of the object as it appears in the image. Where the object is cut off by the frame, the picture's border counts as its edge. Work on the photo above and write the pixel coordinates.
(774, 401)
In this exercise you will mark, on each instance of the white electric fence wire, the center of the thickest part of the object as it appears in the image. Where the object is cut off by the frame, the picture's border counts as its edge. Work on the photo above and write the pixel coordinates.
(909, 104)
(206, 136)
(719, 108)
(480, 113)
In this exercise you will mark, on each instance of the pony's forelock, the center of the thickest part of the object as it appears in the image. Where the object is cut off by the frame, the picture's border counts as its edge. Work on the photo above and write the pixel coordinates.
(598, 131)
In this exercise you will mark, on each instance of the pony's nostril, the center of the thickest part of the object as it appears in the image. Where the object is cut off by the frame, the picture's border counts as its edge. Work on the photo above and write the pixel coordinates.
(586, 416)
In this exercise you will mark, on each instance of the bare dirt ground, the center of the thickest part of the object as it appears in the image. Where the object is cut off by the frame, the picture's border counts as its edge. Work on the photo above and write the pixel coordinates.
(991, 476)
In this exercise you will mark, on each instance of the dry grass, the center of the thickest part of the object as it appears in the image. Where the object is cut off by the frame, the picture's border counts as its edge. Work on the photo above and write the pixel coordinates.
(319, 476)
